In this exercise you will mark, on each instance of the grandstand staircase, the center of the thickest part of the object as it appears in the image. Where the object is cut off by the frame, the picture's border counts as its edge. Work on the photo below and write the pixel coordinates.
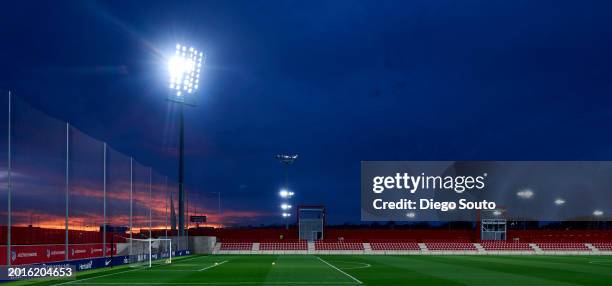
(255, 246)
(536, 248)
(592, 248)
(479, 248)
(367, 248)
(311, 247)
(423, 247)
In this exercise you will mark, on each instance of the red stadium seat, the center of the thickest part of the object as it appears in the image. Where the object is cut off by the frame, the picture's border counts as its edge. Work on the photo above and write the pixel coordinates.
(394, 245)
(301, 245)
(338, 245)
(505, 246)
(450, 246)
(603, 246)
(563, 246)
(236, 246)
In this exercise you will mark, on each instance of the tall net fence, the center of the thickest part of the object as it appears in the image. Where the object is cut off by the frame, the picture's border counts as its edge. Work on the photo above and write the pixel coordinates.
(67, 196)
(204, 205)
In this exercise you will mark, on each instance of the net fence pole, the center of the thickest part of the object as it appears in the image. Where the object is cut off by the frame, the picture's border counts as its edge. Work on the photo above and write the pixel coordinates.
(10, 186)
(150, 253)
(150, 201)
(104, 203)
(67, 189)
(166, 206)
(131, 189)
(188, 219)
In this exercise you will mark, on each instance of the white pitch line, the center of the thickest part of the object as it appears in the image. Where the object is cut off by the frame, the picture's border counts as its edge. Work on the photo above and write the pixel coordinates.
(115, 273)
(223, 283)
(334, 267)
(214, 265)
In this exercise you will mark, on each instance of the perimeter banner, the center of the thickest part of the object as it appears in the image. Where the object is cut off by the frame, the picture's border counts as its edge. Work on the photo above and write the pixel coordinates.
(471, 190)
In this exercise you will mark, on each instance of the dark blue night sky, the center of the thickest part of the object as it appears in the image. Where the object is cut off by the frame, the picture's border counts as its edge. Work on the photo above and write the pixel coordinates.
(336, 81)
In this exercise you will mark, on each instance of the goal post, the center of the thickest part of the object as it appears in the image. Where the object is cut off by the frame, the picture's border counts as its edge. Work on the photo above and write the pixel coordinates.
(146, 252)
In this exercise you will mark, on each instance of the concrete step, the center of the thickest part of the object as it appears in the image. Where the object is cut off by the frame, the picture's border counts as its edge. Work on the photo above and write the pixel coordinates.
(536, 248)
(367, 248)
(423, 247)
(592, 247)
(311, 247)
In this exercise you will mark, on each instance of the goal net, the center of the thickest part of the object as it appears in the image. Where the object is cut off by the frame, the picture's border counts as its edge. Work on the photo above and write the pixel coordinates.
(147, 252)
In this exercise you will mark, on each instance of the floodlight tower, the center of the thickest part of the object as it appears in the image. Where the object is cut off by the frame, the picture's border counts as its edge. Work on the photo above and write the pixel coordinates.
(285, 193)
(184, 69)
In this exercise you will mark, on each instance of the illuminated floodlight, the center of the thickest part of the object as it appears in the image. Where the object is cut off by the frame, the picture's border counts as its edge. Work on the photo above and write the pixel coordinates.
(497, 212)
(286, 214)
(597, 213)
(559, 201)
(287, 159)
(525, 194)
(285, 206)
(184, 68)
(285, 194)
(410, 215)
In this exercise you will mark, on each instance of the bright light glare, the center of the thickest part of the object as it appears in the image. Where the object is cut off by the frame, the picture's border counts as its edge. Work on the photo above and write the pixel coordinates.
(182, 68)
(559, 202)
(285, 206)
(525, 194)
(497, 213)
(410, 215)
(286, 214)
(285, 194)
(597, 213)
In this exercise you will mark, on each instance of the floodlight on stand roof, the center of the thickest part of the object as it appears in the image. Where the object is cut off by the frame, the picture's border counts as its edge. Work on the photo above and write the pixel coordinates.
(525, 194)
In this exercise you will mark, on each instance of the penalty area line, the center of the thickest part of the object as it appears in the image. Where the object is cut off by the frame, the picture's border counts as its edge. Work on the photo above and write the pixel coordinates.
(334, 267)
(214, 265)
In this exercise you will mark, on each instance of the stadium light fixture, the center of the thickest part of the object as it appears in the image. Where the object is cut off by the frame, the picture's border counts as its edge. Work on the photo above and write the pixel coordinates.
(410, 215)
(559, 201)
(185, 67)
(597, 213)
(497, 212)
(284, 193)
(525, 194)
(286, 214)
(285, 206)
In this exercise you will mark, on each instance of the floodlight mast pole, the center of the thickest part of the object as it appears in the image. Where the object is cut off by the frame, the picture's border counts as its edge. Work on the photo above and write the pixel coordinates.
(184, 68)
(287, 160)
(181, 179)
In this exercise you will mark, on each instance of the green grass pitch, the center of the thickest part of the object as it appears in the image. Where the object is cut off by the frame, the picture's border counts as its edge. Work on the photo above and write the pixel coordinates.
(356, 270)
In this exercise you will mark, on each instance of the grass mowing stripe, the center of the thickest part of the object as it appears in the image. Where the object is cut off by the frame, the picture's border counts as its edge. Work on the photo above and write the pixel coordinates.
(121, 272)
(214, 265)
(334, 267)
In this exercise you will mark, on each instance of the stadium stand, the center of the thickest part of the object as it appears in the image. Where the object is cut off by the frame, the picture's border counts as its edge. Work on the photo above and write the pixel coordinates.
(564, 246)
(603, 246)
(505, 246)
(296, 245)
(236, 245)
(394, 245)
(336, 245)
(450, 246)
